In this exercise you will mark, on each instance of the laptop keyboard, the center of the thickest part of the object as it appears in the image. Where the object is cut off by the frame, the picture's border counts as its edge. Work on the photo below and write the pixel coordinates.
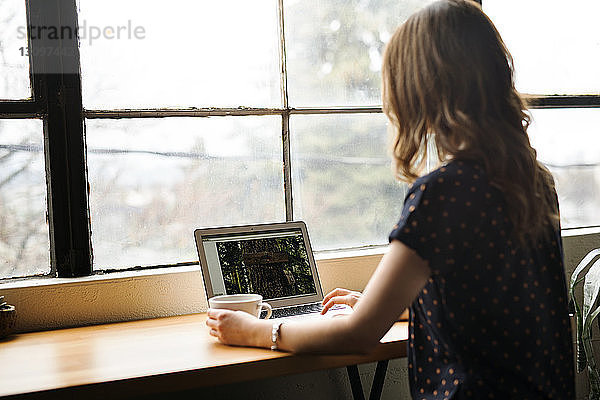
(297, 310)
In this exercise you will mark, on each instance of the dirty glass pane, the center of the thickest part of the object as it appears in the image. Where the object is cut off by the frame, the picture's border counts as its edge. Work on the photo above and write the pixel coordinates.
(567, 141)
(14, 59)
(153, 181)
(342, 179)
(151, 53)
(334, 48)
(24, 240)
(554, 44)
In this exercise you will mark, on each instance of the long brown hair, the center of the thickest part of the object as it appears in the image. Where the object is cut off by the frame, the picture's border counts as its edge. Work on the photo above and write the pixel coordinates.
(448, 77)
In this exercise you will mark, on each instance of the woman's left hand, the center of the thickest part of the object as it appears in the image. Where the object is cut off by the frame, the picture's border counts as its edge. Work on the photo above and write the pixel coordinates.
(234, 327)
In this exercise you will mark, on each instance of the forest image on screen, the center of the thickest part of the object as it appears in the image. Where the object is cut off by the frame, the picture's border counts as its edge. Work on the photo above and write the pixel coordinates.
(273, 267)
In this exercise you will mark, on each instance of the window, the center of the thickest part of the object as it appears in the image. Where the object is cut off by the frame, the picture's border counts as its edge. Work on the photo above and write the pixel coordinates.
(154, 180)
(118, 141)
(14, 63)
(24, 241)
(41, 143)
(231, 113)
(556, 53)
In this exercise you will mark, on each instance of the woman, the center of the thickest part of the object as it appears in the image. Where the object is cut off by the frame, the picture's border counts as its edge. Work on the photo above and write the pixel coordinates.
(477, 252)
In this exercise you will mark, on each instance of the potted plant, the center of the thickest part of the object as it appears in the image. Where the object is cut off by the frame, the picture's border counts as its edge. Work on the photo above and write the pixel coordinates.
(585, 316)
(8, 316)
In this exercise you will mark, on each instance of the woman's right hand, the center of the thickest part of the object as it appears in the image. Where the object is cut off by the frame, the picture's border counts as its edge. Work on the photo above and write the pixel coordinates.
(340, 296)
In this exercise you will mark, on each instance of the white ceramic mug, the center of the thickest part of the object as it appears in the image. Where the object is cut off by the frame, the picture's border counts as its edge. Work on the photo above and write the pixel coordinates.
(250, 303)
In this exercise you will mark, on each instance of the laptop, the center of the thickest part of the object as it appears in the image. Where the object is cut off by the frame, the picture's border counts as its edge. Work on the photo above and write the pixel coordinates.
(273, 260)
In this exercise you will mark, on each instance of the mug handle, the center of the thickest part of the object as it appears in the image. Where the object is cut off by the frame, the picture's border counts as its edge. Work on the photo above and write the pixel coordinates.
(267, 307)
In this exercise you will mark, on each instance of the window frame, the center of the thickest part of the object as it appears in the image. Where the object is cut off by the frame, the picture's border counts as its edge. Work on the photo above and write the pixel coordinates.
(57, 100)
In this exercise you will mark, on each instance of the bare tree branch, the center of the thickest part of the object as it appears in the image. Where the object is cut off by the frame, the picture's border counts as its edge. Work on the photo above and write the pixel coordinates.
(14, 174)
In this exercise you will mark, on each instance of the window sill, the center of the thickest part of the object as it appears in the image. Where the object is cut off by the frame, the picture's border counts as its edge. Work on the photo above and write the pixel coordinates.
(94, 279)
(53, 303)
(580, 231)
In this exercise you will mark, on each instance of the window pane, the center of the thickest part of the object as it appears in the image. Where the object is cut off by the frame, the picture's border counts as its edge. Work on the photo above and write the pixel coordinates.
(14, 62)
(334, 48)
(24, 241)
(146, 53)
(153, 181)
(343, 183)
(567, 141)
(554, 44)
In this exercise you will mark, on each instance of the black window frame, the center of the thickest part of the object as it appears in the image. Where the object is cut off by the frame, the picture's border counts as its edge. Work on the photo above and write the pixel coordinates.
(56, 100)
(55, 77)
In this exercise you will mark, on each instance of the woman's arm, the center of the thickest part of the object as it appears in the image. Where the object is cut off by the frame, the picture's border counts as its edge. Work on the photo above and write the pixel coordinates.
(399, 278)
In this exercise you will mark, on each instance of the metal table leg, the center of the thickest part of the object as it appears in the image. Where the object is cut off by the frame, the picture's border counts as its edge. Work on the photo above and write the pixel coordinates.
(378, 380)
(355, 384)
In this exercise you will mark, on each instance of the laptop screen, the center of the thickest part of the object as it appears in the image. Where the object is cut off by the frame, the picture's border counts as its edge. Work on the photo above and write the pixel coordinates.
(273, 264)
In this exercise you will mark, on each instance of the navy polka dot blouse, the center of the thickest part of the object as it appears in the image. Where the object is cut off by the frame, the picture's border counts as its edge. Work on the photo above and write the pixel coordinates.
(492, 322)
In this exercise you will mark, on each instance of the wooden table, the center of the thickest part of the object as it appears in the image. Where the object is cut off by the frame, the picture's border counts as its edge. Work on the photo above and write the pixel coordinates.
(152, 356)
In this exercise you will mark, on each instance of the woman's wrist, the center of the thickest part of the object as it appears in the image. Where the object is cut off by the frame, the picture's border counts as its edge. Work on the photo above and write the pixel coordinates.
(261, 333)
